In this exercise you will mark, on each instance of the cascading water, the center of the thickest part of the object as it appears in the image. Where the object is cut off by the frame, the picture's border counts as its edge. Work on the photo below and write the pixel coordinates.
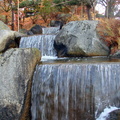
(43, 42)
(74, 91)
(50, 30)
(71, 90)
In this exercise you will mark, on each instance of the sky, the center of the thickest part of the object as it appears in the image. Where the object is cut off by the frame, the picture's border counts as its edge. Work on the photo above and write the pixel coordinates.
(100, 9)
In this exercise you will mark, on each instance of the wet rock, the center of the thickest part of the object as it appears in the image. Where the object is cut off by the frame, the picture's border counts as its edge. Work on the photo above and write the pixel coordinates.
(62, 49)
(54, 23)
(116, 54)
(81, 39)
(24, 31)
(16, 70)
(36, 29)
(29, 32)
(114, 115)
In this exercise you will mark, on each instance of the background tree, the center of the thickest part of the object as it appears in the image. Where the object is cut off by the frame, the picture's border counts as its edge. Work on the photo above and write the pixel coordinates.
(88, 3)
(45, 9)
(5, 7)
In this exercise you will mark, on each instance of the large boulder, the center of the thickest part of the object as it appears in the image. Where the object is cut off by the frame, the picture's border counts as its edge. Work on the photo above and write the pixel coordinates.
(36, 29)
(9, 39)
(80, 38)
(54, 23)
(16, 71)
(3, 26)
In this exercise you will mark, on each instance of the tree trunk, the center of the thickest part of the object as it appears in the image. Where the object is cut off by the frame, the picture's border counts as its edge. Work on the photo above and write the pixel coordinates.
(109, 11)
(88, 7)
(81, 10)
(12, 19)
(94, 14)
(6, 19)
(106, 12)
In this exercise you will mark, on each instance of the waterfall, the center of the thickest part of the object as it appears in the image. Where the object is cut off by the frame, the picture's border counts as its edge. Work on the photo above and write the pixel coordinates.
(70, 91)
(50, 30)
(74, 91)
(43, 42)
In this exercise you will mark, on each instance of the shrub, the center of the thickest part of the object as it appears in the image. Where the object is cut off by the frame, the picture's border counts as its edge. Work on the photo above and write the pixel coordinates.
(109, 30)
(74, 18)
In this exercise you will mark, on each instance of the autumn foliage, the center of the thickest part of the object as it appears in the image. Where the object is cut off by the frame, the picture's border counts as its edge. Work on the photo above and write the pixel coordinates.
(109, 30)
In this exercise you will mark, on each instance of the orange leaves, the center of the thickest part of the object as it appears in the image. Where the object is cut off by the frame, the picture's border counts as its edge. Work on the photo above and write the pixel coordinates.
(5, 13)
(109, 30)
(41, 6)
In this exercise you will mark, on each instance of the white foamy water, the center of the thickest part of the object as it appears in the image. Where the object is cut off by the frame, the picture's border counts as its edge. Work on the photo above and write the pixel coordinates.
(45, 58)
(106, 112)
